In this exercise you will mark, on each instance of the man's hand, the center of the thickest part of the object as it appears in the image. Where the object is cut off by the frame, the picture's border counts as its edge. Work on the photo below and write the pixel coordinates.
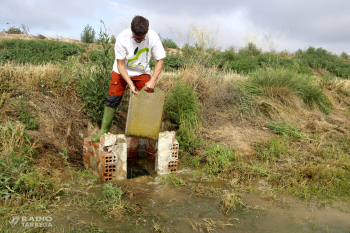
(150, 85)
(132, 89)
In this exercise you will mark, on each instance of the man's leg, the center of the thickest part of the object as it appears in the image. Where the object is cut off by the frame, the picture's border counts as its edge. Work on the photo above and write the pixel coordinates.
(116, 90)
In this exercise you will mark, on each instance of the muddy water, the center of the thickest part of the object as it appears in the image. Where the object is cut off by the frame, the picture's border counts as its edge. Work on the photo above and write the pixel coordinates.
(175, 209)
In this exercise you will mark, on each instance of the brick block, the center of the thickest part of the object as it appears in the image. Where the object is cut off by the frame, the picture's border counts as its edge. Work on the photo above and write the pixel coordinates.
(108, 168)
(107, 158)
(132, 154)
(151, 156)
(174, 154)
(106, 177)
(132, 140)
(96, 145)
(87, 142)
(151, 149)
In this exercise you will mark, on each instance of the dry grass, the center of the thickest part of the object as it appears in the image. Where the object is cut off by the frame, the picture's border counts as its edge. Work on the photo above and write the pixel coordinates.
(13, 139)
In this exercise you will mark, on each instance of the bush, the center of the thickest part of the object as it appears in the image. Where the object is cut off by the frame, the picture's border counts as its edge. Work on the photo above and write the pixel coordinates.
(182, 106)
(88, 35)
(169, 43)
(36, 51)
(12, 30)
(174, 61)
(282, 84)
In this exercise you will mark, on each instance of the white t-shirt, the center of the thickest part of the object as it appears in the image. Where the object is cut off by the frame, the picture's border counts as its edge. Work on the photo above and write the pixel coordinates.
(137, 55)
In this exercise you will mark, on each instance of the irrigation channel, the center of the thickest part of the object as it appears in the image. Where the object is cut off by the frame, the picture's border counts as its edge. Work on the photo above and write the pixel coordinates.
(192, 201)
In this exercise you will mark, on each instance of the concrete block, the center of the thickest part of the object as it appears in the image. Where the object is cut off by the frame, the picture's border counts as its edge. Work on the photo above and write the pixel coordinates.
(166, 140)
(108, 139)
(162, 161)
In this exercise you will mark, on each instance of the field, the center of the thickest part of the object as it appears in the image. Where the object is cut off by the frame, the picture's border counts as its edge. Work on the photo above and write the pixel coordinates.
(259, 133)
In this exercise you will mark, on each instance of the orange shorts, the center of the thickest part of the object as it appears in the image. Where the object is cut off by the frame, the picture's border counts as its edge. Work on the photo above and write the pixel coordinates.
(117, 85)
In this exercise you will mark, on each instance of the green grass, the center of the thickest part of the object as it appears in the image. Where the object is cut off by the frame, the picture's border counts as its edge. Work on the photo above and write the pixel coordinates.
(285, 129)
(284, 85)
(26, 116)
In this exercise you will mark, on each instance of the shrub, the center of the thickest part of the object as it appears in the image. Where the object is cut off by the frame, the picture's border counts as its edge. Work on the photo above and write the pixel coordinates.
(282, 84)
(174, 61)
(182, 106)
(169, 43)
(88, 35)
(12, 30)
(36, 51)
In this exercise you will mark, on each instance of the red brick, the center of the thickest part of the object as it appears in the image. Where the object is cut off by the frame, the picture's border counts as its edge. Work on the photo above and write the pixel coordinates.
(132, 154)
(106, 177)
(96, 145)
(91, 153)
(152, 143)
(86, 160)
(151, 149)
(174, 154)
(151, 156)
(107, 158)
(84, 150)
(132, 140)
(87, 142)
(108, 168)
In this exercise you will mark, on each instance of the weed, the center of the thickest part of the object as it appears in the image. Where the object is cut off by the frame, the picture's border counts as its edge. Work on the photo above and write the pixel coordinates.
(230, 202)
(17, 176)
(25, 115)
(175, 180)
(219, 158)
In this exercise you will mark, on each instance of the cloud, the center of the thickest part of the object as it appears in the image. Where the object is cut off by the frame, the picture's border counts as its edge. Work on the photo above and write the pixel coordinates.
(48, 14)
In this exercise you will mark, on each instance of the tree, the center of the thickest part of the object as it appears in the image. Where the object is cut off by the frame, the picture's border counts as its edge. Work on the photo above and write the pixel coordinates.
(88, 35)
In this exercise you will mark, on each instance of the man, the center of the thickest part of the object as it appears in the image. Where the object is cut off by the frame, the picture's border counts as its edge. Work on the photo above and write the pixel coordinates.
(131, 66)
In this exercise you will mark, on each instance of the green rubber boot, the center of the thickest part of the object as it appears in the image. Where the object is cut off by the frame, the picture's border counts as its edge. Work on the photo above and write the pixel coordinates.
(106, 123)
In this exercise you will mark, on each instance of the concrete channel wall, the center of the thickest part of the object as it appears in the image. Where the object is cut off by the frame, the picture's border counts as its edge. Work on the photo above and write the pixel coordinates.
(108, 158)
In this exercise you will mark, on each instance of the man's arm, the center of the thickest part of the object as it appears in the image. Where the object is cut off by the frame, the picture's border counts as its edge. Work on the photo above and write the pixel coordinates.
(157, 69)
(125, 75)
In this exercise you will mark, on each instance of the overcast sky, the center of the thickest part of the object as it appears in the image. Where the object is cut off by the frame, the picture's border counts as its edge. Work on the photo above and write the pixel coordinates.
(290, 24)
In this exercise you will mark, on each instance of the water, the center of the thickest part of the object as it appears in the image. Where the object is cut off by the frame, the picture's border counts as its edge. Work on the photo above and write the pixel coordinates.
(167, 208)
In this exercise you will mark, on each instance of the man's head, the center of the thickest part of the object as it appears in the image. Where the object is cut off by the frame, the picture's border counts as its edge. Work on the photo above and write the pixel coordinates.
(139, 25)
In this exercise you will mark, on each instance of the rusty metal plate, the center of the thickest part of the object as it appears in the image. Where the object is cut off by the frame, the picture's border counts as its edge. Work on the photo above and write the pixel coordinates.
(145, 114)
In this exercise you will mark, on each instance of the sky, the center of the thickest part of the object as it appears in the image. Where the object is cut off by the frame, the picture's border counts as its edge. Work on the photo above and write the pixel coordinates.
(271, 24)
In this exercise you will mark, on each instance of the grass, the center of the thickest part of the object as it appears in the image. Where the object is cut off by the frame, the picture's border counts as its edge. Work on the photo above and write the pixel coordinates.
(287, 87)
